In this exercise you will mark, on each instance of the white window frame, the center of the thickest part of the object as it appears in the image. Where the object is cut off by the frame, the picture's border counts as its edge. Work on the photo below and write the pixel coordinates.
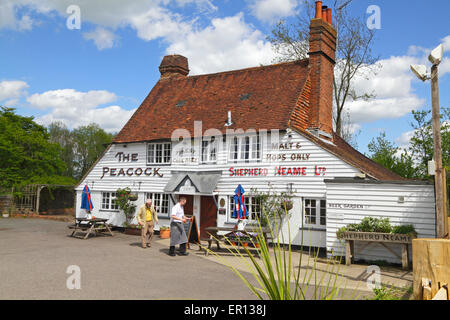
(108, 202)
(246, 148)
(319, 205)
(250, 204)
(163, 210)
(209, 150)
(165, 156)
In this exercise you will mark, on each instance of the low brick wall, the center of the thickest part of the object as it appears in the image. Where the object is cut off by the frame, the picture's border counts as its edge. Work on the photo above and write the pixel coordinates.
(38, 216)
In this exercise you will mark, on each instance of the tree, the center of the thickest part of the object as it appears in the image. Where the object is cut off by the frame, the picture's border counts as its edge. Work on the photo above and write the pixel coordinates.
(386, 153)
(353, 53)
(60, 134)
(421, 143)
(90, 142)
(26, 153)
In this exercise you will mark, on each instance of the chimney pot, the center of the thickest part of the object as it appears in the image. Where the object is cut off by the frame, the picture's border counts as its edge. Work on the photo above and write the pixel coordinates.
(318, 10)
(174, 66)
(324, 13)
(329, 16)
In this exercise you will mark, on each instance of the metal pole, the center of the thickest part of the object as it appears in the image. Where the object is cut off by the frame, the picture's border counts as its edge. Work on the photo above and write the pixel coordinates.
(441, 231)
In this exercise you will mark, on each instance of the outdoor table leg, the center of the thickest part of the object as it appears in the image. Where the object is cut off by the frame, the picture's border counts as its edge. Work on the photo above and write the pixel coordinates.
(109, 229)
(89, 231)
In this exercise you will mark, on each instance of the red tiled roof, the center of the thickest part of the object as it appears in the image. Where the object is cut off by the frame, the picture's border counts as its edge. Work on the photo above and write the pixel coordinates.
(267, 97)
(258, 98)
(347, 153)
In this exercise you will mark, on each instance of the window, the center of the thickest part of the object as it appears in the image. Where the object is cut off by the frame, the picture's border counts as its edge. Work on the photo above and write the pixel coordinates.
(315, 212)
(161, 202)
(159, 153)
(108, 201)
(209, 150)
(252, 205)
(246, 149)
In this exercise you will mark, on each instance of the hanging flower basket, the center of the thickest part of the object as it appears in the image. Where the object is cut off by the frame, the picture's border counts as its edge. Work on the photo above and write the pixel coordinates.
(288, 205)
(133, 197)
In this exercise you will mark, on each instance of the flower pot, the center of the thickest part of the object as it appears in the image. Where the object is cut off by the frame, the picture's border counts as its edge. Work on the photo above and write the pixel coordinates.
(5, 215)
(164, 234)
(133, 231)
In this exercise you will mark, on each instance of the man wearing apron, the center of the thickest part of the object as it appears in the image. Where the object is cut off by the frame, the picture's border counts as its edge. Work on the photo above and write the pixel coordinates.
(177, 233)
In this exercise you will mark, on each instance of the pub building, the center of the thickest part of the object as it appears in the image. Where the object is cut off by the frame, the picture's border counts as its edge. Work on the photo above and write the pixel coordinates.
(268, 128)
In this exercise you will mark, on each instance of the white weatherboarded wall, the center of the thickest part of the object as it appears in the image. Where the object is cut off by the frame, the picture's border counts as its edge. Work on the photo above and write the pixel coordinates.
(288, 152)
(402, 203)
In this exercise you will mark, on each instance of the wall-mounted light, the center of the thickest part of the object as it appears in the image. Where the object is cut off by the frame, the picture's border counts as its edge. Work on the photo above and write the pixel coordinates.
(290, 186)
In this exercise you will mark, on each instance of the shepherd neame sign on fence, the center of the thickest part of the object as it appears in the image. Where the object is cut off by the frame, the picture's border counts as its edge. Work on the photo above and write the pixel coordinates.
(374, 236)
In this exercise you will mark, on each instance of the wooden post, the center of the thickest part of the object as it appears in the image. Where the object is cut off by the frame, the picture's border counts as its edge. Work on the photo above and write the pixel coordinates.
(445, 205)
(348, 252)
(431, 260)
(440, 211)
(405, 256)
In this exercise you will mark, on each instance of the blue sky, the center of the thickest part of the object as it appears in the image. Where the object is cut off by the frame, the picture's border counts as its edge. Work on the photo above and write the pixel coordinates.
(103, 71)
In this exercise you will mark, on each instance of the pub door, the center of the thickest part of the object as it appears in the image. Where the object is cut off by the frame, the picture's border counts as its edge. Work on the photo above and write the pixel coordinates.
(208, 214)
(189, 206)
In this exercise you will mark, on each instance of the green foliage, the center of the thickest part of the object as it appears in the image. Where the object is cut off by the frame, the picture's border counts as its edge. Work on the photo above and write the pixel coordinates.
(392, 293)
(90, 142)
(382, 225)
(369, 224)
(26, 153)
(413, 162)
(276, 274)
(385, 152)
(125, 204)
(274, 205)
(385, 293)
(405, 229)
(421, 145)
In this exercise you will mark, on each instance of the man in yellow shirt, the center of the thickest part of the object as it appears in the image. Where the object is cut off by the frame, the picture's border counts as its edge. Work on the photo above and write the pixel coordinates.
(146, 218)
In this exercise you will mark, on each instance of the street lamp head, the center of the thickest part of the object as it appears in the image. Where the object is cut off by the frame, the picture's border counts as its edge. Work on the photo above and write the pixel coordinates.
(436, 55)
(420, 71)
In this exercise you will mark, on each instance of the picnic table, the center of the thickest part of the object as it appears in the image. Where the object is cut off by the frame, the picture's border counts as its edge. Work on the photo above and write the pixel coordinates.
(214, 237)
(89, 226)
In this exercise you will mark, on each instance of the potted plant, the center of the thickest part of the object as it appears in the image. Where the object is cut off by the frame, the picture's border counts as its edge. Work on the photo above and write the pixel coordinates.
(123, 201)
(133, 229)
(164, 232)
(5, 214)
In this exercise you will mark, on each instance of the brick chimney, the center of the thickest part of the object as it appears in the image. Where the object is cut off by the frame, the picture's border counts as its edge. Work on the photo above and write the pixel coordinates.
(174, 66)
(322, 49)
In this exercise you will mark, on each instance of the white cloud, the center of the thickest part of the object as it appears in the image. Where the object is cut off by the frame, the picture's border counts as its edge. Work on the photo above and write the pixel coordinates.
(75, 108)
(226, 44)
(223, 44)
(103, 38)
(64, 98)
(272, 10)
(11, 90)
(392, 86)
(446, 43)
(111, 119)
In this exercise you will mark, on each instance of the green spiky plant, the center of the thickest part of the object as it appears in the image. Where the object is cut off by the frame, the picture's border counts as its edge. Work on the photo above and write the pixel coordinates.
(277, 278)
